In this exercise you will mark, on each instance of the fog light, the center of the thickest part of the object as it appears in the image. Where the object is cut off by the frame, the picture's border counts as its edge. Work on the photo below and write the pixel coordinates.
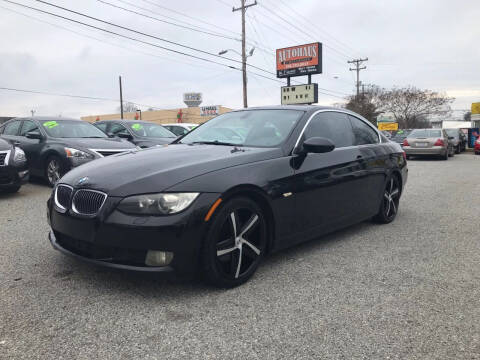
(158, 258)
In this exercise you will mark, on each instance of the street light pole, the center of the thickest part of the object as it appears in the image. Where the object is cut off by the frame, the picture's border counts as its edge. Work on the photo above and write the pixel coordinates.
(243, 8)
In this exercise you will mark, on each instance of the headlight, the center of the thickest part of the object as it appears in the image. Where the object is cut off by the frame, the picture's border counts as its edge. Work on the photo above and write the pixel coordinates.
(157, 204)
(19, 157)
(78, 154)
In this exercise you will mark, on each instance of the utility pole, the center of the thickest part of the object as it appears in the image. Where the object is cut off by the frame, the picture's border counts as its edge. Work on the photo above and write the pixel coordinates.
(121, 97)
(357, 68)
(33, 112)
(243, 8)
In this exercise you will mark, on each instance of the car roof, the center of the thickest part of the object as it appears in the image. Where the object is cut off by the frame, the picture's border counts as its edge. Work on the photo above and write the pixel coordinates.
(45, 118)
(127, 121)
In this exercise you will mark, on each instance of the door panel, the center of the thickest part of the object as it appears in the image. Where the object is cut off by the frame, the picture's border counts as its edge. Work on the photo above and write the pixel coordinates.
(31, 147)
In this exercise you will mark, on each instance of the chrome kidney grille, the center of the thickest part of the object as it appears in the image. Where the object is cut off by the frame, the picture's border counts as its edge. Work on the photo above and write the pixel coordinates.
(84, 202)
(4, 157)
(63, 194)
(88, 202)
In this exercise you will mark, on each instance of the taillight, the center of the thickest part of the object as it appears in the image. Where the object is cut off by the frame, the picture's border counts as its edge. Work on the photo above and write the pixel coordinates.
(405, 143)
(439, 142)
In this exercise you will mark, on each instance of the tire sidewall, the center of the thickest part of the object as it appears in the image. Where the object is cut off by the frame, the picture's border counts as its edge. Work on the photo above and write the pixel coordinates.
(209, 249)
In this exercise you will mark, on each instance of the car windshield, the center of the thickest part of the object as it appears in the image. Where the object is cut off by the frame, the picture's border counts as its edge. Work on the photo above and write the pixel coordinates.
(71, 129)
(425, 133)
(151, 130)
(258, 128)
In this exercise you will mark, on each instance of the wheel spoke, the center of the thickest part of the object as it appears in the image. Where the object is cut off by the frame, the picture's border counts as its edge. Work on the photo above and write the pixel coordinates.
(239, 263)
(394, 193)
(394, 207)
(234, 223)
(386, 196)
(388, 208)
(251, 246)
(253, 220)
(391, 185)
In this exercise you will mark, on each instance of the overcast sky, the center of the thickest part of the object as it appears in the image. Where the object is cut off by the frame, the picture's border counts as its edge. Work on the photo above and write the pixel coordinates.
(430, 44)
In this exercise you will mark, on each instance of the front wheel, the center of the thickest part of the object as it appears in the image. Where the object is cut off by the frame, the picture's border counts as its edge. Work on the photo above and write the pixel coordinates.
(390, 201)
(235, 243)
(54, 170)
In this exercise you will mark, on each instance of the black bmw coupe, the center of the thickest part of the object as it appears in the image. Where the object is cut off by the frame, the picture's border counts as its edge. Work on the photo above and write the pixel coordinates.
(218, 205)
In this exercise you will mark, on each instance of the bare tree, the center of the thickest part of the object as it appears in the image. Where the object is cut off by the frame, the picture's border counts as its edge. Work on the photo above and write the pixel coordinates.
(412, 107)
(368, 103)
(128, 107)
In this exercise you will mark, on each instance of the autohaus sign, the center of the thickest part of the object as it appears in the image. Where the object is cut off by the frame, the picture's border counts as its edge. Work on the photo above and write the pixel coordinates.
(299, 60)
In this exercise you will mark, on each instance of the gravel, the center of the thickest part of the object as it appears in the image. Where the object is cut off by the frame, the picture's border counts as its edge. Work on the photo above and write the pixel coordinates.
(407, 290)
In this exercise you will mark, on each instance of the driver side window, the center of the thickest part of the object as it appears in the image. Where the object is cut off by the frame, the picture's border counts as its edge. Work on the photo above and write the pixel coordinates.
(333, 126)
(29, 126)
(116, 129)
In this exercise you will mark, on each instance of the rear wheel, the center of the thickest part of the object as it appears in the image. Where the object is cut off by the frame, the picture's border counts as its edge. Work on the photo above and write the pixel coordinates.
(445, 156)
(235, 244)
(458, 149)
(390, 201)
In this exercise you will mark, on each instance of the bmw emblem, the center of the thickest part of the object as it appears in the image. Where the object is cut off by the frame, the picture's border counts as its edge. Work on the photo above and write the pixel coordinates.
(82, 181)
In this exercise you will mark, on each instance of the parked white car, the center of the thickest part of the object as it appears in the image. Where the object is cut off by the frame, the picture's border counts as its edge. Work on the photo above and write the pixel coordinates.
(180, 129)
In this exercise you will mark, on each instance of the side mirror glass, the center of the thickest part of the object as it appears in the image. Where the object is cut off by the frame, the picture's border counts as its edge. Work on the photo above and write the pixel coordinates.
(33, 135)
(318, 145)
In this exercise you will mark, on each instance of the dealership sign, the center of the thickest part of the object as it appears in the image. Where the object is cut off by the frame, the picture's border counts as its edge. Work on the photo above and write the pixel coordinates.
(299, 94)
(299, 60)
(210, 110)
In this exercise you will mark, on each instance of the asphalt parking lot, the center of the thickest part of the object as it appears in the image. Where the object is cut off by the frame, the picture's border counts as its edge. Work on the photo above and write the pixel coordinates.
(408, 290)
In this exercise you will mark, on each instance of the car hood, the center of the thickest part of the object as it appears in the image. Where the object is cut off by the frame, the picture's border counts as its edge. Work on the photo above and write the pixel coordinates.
(159, 168)
(151, 141)
(96, 143)
(5, 145)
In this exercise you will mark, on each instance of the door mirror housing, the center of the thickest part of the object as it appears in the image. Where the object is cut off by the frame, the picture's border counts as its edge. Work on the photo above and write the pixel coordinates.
(318, 145)
(124, 136)
(33, 135)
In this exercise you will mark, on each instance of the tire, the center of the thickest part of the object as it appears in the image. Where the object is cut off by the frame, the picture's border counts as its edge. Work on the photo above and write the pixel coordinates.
(390, 201)
(228, 258)
(451, 153)
(52, 162)
(445, 157)
(458, 149)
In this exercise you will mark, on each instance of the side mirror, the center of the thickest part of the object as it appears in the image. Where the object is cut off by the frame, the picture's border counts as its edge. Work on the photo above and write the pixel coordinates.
(33, 135)
(318, 145)
(125, 136)
(110, 135)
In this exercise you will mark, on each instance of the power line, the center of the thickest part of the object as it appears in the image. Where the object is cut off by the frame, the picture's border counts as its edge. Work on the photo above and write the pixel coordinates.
(137, 32)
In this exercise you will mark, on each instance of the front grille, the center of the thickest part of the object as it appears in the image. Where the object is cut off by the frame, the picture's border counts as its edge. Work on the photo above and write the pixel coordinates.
(88, 202)
(3, 158)
(63, 194)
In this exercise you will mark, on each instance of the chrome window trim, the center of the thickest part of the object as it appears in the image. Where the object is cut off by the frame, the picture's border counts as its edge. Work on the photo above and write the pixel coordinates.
(55, 198)
(116, 151)
(7, 157)
(338, 111)
(74, 209)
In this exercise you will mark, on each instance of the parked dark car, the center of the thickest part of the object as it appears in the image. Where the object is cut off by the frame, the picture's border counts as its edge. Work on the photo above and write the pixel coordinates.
(459, 139)
(13, 167)
(221, 206)
(144, 134)
(53, 146)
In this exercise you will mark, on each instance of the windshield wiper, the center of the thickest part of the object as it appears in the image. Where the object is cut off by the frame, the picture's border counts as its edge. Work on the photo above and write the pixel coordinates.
(92, 137)
(216, 142)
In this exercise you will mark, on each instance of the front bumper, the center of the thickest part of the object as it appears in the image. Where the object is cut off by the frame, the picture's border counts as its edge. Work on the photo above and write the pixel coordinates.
(435, 150)
(12, 176)
(118, 240)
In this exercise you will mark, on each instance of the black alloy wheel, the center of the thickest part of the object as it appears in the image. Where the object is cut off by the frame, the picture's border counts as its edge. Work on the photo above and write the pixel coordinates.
(390, 201)
(235, 243)
(53, 170)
